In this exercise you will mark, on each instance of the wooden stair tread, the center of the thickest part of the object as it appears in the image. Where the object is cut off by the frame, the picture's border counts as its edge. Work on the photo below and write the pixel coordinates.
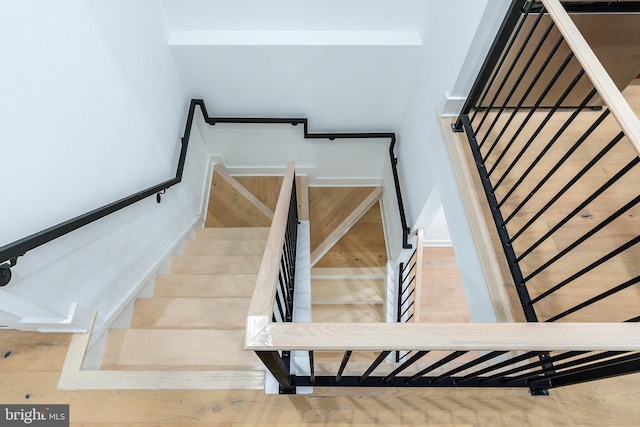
(214, 313)
(346, 313)
(212, 264)
(232, 233)
(205, 285)
(178, 349)
(224, 247)
(355, 291)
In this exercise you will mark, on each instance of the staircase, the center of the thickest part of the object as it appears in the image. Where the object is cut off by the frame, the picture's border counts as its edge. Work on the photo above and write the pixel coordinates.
(196, 317)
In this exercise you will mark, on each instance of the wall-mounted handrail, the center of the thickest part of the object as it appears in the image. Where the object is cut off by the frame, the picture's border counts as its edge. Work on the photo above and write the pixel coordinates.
(12, 251)
(406, 230)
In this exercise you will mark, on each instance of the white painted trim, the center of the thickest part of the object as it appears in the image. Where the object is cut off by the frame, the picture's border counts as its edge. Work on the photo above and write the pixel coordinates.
(295, 38)
(385, 230)
(432, 243)
(346, 182)
(213, 160)
(309, 171)
(39, 318)
(301, 310)
(391, 301)
(451, 106)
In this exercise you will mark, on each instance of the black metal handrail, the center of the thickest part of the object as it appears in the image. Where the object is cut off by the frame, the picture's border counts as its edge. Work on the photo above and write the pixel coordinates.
(331, 136)
(12, 251)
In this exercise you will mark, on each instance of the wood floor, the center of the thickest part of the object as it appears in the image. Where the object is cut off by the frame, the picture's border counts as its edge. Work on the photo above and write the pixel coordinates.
(442, 296)
(31, 367)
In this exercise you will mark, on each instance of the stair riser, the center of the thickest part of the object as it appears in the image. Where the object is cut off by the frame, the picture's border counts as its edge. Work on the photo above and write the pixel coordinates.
(232, 233)
(216, 264)
(205, 286)
(225, 247)
(173, 313)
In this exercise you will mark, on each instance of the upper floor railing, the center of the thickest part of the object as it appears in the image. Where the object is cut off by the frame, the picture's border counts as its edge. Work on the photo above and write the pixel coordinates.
(556, 145)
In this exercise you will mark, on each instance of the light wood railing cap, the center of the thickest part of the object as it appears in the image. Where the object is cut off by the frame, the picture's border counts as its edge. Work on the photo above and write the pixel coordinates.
(448, 336)
(605, 85)
(262, 300)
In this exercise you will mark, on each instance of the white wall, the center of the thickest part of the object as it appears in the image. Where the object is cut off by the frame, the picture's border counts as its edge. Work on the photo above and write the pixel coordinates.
(454, 97)
(346, 66)
(340, 88)
(423, 161)
(92, 109)
(266, 149)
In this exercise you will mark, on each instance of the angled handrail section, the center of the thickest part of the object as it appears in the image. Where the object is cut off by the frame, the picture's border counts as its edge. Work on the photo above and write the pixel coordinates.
(12, 251)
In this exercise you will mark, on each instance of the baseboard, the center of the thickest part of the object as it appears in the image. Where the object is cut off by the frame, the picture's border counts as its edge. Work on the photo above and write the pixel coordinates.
(433, 243)
(451, 105)
(346, 182)
(309, 171)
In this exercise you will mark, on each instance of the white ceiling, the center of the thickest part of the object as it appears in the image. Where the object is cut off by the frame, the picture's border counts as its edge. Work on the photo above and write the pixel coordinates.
(288, 15)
